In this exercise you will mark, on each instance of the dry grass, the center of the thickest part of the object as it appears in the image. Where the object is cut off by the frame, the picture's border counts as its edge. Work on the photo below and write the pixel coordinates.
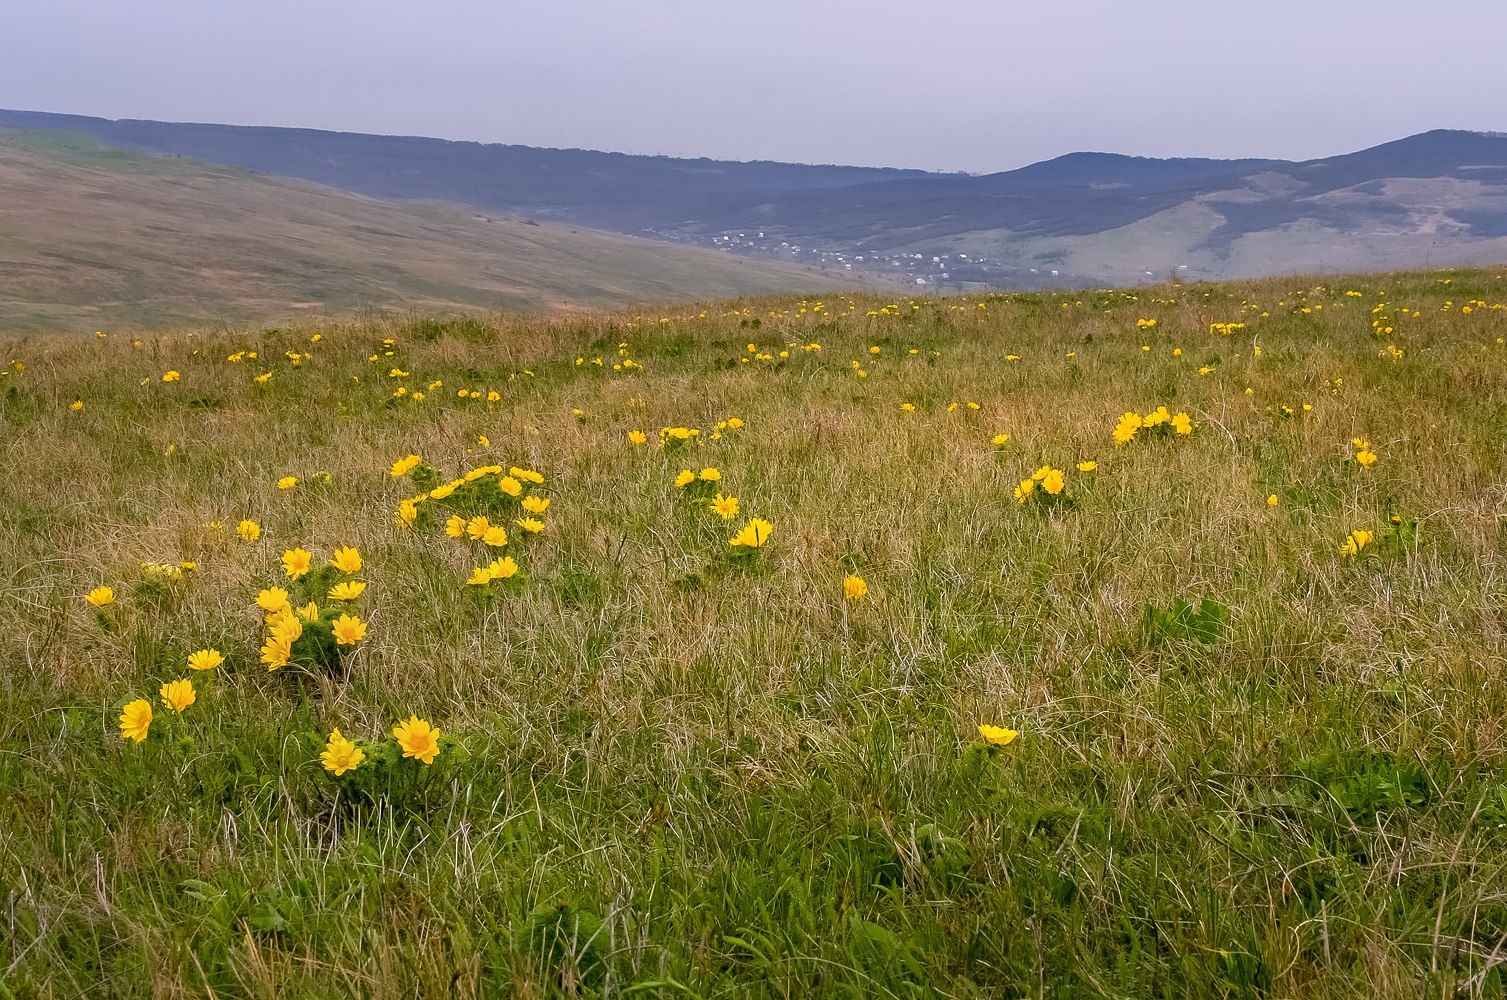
(672, 774)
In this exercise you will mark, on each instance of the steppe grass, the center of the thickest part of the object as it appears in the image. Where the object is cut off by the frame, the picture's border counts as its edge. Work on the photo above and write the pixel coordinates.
(1248, 764)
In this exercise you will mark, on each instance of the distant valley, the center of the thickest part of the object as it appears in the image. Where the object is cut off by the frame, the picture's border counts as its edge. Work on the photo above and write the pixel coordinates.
(1434, 199)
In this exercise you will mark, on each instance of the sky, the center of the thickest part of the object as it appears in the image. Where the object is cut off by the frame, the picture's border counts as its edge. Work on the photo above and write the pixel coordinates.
(963, 85)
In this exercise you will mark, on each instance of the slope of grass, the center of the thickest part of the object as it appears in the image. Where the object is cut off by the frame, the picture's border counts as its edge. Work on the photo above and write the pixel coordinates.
(94, 236)
(1248, 764)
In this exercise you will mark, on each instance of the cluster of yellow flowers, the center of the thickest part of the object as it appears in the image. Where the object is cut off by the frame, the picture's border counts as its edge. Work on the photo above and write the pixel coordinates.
(671, 438)
(704, 489)
(307, 635)
(1356, 541)
(178, 695)
(474, 500)
(1159, 421)
(168, 572)
(751, 537)
(416, 738)
(1046, 479)
(624, 364)
(1363, 456)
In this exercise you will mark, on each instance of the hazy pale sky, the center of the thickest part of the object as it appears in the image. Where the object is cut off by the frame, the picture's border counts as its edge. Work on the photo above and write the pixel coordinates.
(962, 85)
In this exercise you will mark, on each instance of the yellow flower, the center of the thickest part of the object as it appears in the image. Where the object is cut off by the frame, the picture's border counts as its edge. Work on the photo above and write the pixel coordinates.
(443, 490)
(205, 659)
(536, 505)
(1024, 490)
(1182, 423)
(1125, 430)
(735, 422)
(347, 559)
(249, 530)
(998, 735)
(272, 600)
(854, 588)
(340, 754)
(502, 569)
(404, 466)
(512, 487)
(296, 562)
(287, 482)
(285, 624)
(526, 475)
(350, 590)
(497, 536)
(136, 719)
(530, 524)
(1272, 500)
(1365, 458)
(685, 478)
(171, 376)
(76, 405)
(1052, 481)
(418, 739)
(348, 630)
(408, 513)
(476, 529)
(1000, 440)
(908, 407)
(480, 577)
(100, 596)
(455, 527)
(177, 695)
(1355, 542)
(752, 535)
(637, 437)
(1089, 466)
(711, 475)
(725, 507)
(278, 650)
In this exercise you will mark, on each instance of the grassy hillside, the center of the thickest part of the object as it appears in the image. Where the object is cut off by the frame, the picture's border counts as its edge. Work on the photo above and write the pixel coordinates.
(93, 236)
(1252, 657)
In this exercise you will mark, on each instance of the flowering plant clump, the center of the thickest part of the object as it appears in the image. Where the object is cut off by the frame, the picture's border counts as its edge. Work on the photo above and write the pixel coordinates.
(700, 488)
(1160, 422)
(1046, 485)
(749, 541)
(1362, 455)
(675, 438)
(1356, 542)
(298, 630)
(489, 508)
(1397, 533)
(391, 766)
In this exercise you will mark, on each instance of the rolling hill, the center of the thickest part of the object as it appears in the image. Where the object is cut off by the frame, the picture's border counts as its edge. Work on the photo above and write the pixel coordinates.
(1431, 199)
(94, 236)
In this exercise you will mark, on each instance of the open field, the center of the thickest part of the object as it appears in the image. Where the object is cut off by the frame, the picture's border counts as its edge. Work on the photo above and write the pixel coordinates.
(673, 766)
(94, 237)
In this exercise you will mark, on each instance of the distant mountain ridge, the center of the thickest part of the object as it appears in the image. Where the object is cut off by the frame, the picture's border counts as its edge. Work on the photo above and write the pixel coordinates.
(1438, 197)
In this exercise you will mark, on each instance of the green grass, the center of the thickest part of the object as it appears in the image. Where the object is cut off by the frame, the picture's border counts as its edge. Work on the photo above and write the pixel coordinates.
(1247, 766)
